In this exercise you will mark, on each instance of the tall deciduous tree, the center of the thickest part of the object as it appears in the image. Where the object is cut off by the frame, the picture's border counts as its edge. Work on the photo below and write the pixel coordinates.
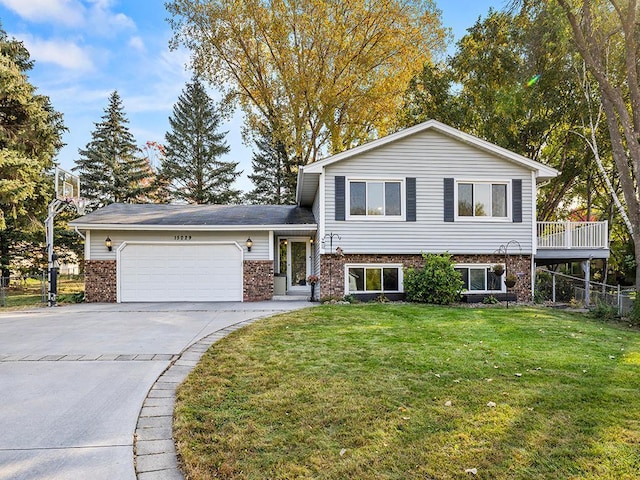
(329, 74)
(606, 34)
(111, 168)
(193, 146)
(274, 174)
(30, 136)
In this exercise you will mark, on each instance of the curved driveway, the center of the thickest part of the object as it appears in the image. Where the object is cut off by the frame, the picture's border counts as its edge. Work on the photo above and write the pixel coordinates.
(73, 380)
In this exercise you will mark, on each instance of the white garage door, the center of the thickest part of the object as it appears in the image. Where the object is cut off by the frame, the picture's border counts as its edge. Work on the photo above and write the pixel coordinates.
(180, 273)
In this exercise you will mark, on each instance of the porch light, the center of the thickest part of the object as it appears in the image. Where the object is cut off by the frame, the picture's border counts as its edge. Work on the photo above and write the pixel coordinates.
(311, 240)
(249, 244)
(108, 243)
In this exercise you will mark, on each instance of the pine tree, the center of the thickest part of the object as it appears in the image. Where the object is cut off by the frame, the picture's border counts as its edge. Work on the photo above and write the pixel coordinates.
(193, 147)
(273, 175)
(30, 137)
(111, 168)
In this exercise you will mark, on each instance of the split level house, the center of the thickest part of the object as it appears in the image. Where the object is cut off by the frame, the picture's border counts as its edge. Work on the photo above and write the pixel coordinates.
(361, 219)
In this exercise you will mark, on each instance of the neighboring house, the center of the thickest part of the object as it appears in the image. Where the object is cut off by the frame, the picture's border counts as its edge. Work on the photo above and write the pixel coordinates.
(362, 217)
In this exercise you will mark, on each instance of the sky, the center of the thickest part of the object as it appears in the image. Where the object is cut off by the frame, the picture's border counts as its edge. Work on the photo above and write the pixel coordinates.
(86, 49)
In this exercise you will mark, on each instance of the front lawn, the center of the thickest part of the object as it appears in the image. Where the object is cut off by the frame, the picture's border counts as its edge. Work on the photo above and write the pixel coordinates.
(405, 391)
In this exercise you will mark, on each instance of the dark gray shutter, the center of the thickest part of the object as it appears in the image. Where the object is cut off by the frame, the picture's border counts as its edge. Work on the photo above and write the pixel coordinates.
(411, 199)
(516, 198)
(340, 203)
(449, 210)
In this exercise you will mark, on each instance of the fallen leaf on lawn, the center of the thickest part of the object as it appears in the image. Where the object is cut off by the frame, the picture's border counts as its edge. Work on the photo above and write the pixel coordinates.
(612, 357)
(518, 374)
(457, 380)
(491, 404)
(472, 471)
(489, 379)
(343, 451)
(496, 366)
(438, 375)
(447, 403)
(406, 418)
(402, 408)
(584, 371)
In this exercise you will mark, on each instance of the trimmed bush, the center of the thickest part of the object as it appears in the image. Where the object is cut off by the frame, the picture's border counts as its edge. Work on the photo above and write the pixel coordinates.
(437, 283)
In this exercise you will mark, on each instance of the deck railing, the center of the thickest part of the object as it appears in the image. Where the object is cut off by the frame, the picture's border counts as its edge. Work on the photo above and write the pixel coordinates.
(573, 235)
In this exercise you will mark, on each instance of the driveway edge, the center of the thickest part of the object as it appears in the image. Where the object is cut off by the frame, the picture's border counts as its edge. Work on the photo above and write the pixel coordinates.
(154, 452)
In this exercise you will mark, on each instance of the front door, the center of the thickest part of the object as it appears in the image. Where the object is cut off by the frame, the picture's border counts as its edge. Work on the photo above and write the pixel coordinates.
(298, 264)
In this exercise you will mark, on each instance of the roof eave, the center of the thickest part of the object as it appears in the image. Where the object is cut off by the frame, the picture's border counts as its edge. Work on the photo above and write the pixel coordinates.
(197, 228)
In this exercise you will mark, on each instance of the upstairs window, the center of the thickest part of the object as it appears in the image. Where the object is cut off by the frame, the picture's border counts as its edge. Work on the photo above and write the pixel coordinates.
(375, 198)
(482, 199)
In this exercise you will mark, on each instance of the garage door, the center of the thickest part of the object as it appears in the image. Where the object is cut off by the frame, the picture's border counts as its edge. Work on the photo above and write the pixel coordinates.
(180, 273)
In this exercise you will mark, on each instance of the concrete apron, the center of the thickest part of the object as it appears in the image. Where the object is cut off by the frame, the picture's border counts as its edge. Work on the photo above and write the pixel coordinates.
(73, 381)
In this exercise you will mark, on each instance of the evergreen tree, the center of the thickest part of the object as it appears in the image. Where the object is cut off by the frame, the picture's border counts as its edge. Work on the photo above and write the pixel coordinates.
(111, 167)
(274, 175)
(30, 137)
(192, 151)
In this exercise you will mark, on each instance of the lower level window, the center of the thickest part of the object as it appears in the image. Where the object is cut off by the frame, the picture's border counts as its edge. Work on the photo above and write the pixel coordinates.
(479, 278)
(373, 279)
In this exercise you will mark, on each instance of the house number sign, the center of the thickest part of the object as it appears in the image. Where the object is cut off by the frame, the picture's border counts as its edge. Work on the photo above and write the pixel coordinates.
(182, 237)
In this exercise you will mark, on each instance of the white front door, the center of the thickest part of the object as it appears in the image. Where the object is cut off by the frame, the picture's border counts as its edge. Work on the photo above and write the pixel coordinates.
(298, 263)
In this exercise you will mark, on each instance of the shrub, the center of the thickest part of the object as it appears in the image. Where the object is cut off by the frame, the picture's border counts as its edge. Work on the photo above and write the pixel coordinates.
(634, 314)
(604, 312)
(437, 283)
(490, 300)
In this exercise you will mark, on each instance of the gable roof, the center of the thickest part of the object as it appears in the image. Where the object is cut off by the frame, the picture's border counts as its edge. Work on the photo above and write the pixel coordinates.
(129, 216)
(309, 174)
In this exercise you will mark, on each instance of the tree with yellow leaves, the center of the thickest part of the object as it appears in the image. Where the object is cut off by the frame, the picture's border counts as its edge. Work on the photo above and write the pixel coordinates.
(323, 75)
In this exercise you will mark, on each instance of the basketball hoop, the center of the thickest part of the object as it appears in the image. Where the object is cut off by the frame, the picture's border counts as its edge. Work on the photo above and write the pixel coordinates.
(79, 203)
(67, 192)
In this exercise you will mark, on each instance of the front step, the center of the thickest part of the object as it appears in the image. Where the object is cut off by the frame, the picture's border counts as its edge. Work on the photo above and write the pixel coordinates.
(291, 298)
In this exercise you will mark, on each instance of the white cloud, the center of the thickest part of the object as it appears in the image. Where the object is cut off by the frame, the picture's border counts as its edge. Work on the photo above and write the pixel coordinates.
(102, 20)
(63, 53)
(137, 43)
(68, 12)
(94, 16)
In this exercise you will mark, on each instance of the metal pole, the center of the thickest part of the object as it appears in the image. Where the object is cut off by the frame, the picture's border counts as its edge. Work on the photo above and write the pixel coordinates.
(553, 287)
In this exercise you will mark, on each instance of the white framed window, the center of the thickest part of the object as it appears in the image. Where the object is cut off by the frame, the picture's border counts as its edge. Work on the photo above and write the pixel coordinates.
(370, 278)
(482, 200)
(479, 278)
(375, 199)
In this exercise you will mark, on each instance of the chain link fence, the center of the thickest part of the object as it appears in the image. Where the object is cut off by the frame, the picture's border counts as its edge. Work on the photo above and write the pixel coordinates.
(560, 288)
(31, 290)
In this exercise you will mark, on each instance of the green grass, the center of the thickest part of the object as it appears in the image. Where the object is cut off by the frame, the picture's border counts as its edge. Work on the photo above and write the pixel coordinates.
(346, 392)
(29, 293)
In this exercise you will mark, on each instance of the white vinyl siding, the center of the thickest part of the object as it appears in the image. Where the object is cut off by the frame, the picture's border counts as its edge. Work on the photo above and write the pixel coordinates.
(259, 250)
(430, 157)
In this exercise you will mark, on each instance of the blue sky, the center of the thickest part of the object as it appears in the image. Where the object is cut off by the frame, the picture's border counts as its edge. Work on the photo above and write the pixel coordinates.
(85, 49)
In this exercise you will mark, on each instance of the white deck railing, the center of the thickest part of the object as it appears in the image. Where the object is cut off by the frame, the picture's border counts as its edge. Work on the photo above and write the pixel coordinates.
(573, 235)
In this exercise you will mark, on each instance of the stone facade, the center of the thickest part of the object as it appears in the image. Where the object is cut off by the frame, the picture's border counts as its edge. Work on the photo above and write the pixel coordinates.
(258, 280)
(100, 281)
(332, 269)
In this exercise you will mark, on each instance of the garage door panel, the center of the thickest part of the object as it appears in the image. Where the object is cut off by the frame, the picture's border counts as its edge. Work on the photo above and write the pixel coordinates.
(158, 272)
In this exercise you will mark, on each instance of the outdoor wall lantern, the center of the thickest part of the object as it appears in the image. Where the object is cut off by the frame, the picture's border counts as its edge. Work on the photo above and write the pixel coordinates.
(108, 243)
(249, 244)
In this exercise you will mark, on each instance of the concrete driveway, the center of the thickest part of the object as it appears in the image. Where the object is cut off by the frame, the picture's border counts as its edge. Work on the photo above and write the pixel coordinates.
(73, 380)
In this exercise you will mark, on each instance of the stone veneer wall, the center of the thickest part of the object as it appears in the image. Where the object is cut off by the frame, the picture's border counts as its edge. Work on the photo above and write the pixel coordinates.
(100, 281)
(332, 285)
(258, 280)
